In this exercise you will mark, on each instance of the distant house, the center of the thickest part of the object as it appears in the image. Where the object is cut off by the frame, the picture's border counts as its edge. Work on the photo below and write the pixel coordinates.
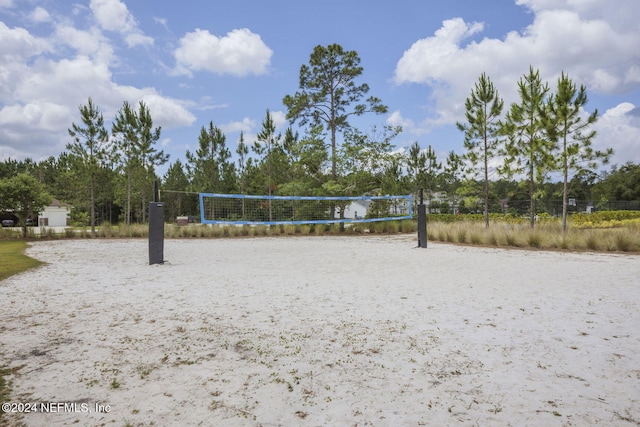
(55, 215)
(357, 209)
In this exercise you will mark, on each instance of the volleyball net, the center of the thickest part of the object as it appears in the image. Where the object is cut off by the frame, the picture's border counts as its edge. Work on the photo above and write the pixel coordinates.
(274, 210)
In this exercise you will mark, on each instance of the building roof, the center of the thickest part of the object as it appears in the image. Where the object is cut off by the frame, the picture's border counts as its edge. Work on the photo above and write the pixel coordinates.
(55, 203)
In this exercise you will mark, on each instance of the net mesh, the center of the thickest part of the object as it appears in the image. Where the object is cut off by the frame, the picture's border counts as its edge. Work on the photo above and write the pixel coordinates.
(250, 209)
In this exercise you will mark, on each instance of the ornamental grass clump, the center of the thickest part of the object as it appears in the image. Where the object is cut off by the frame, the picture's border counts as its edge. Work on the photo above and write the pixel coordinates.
(623, 242)
(534, 239)
(461, 234)
(591, 240)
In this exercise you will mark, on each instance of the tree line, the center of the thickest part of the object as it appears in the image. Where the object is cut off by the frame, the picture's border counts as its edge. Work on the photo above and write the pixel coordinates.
(108, 174)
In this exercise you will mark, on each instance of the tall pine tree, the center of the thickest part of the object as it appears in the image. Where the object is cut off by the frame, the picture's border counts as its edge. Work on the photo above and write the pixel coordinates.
(89, 150)
(528, 149)
(481, 138)
(573, 134)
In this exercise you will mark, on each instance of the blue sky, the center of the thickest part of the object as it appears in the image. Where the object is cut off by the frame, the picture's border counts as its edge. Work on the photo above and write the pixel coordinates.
(197, 61)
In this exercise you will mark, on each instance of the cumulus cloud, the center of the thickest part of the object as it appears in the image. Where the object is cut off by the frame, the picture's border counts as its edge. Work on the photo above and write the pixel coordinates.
(17, 47)
(43, 81)
(396, 119)
(246, 125)
(18, 44)
(166, 112)
(594, 42)
(113, 15)
(240, 52)
(279, 119)
(89, 43)
(426, 60)
(47, 97)
(40, 14)
(595, 45)
(619, 127)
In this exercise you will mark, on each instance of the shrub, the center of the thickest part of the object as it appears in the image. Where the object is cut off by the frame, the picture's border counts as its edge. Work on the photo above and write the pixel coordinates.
(261, 230)
(392, 227)
(604, 219)
(510, 238)
(623, 242)
(492, 237)
(475, 238)
(534, 239)
(291, 229)
(461, 234)
(408, 226)
(591, 241)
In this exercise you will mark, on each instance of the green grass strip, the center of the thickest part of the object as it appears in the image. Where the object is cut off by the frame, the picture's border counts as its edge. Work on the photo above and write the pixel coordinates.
(13, 260)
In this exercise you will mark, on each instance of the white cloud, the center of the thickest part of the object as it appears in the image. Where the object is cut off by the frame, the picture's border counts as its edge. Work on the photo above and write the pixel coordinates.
(593, 41)
(89, 43)
(17, 44)
(6, 4)
(619, 128)
(427, 58)
(40, 92)
(240, 52)
(17, 48)
(396, 119)
(40, 14)
(247, 125)
(113, 15)
(279, 119)
(166, 112)
(26, 130)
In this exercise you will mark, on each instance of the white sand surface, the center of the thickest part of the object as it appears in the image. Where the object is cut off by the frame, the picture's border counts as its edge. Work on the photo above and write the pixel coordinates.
(323, 331)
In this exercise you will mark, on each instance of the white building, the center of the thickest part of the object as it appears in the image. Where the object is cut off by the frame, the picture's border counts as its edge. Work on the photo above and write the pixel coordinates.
(55, 215)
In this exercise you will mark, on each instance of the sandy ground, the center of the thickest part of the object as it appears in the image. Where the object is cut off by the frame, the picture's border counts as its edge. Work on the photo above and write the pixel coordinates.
(323, 331)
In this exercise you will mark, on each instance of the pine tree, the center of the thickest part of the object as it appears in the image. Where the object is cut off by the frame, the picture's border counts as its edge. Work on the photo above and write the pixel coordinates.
(175, 183)
(451, 172)
(207, 165)
(483, 108)
(147, 153)
(135, 153)
(242, 151)
(328, 94)
(565, 125)
(268, 141)
(89, 150)
(528, 149)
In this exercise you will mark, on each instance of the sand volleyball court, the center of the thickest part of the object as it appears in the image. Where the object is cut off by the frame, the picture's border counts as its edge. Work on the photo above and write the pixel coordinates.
(322, 331)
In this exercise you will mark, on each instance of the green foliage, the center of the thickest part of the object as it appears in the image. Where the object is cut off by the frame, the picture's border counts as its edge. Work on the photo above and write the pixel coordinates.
(175, 185)
(209, 169)
(366, 163)
(79, 219)
(605, 219)
(483, 108)
(328, 93)
(89, 151)
(528, 150)
(13, 260)
(620, 183)
(113, 176)
(25, 196)
(565, 125)
(135, 154)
